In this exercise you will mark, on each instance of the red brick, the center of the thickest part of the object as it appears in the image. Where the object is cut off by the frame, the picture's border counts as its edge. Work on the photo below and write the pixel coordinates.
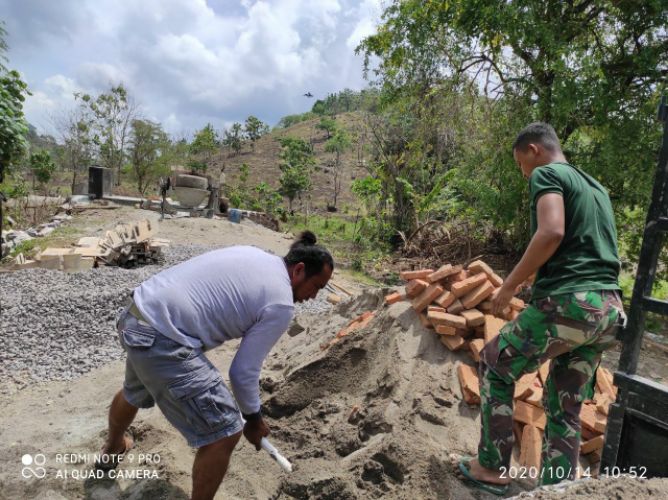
(448, 319)
(473, 317)
(513, 315)
(477, 295)
(435, 309)
(536, 396)
(445, 330)
(468, 382)
(437, 317)
(603, 403)
(424, 321)
(415, 288)
(517, 304)
(463, 287)
(423, 300)
(460, 276)
(445, 299)
(453, 342)
(476, 346)
(523, 386)
(496, 280)
(420, 274)
(394, 297)
(591, 419)
(530, 451)
(587, 434)
(492, 327)
(479, 266)
(604, 382)
(529, 414)
(443, 272)
(592, 445)
(456, 307)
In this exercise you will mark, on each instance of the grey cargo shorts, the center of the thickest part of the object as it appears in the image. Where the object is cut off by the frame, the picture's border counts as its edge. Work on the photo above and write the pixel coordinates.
(184, 384)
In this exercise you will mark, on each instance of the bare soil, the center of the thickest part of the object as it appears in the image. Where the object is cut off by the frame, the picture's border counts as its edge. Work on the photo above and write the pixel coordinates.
(377, 415)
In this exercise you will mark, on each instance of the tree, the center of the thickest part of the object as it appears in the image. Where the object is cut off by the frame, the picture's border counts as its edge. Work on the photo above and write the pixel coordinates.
(42, 166)
(149, 153)
(338, 144)
(234, 137)
(238, 193)
(268, 199)
(76, 129)
(327, 124)
(204, 146)
(13, 126)
(594, 75)
(255, 129)
(113, 112)
(297, 160)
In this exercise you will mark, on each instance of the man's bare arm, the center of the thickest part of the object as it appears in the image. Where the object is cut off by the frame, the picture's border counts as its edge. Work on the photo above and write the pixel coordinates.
(550, 215)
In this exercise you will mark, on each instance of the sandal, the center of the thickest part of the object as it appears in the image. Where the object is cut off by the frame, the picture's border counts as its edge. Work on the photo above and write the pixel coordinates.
(495, 489)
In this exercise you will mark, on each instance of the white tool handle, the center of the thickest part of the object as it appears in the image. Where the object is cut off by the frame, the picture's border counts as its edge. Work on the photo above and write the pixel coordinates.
(273, 452)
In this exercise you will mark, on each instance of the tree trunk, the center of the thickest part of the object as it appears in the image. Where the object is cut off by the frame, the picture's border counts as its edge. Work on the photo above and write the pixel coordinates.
(74, 179)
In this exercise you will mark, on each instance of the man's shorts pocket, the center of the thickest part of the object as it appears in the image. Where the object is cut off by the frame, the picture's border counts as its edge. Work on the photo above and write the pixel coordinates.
(208, 403)
(138, 337)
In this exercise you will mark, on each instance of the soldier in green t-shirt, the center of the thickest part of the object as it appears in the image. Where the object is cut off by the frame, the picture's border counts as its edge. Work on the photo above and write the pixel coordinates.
(571, 319)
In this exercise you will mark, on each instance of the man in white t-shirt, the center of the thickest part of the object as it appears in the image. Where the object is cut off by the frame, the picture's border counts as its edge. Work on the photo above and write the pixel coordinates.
(181, 312)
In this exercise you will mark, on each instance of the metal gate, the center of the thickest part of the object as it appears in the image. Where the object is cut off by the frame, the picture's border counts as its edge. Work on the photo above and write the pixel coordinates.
(637, 432)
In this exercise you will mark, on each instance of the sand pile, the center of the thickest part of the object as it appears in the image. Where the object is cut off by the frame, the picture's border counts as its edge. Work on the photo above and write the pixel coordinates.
(374, 415)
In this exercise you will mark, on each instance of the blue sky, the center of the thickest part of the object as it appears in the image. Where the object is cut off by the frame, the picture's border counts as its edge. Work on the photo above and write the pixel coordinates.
(187, 62)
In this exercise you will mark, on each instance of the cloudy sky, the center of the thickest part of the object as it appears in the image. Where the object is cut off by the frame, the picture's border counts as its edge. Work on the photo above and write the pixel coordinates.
(188, 62)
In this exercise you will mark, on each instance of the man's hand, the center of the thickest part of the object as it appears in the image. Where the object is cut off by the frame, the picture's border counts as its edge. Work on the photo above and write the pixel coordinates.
(501, 299)
(255, 431)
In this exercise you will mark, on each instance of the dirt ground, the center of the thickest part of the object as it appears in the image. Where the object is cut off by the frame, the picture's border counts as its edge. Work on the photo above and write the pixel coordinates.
(376, 415)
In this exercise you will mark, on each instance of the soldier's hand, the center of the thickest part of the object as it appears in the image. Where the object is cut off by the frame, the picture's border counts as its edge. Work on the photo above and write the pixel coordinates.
(255, 431)
(501, 299)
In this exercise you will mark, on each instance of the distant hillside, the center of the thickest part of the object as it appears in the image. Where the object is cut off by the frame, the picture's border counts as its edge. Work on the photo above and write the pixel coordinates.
(264, 161)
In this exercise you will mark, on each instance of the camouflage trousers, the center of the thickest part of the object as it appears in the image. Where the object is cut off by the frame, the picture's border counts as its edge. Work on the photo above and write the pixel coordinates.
(570, 329)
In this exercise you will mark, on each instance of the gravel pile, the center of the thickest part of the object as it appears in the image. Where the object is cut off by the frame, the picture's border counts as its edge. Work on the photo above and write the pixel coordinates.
(58, 326)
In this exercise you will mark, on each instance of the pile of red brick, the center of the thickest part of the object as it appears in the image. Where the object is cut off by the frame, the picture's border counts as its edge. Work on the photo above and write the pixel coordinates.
(456, 303)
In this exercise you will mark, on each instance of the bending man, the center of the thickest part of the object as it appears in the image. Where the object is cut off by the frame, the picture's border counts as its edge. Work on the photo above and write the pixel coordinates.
(176, 315)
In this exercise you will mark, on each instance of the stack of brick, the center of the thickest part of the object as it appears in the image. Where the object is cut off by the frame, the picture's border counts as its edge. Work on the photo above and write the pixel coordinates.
(455, 303)
(127, 245)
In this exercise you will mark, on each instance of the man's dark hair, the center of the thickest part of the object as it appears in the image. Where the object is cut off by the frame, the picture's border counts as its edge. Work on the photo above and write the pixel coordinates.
(537, 133)
(313, 256)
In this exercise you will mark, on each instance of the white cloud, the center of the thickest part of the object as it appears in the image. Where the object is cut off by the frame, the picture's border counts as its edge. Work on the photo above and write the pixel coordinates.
(368, 15)
(188, 62)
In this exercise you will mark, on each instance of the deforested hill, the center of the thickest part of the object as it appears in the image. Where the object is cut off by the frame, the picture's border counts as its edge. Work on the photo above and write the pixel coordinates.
(263, 161)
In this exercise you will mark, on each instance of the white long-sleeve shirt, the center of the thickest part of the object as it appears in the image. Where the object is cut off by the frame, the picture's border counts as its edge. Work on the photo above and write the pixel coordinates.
(236, 292)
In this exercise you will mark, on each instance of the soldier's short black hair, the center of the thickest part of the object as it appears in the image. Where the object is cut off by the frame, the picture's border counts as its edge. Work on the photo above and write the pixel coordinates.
(537, 133)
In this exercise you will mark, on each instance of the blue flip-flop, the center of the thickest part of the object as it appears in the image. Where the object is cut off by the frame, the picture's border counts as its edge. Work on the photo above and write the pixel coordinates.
(494, 489)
